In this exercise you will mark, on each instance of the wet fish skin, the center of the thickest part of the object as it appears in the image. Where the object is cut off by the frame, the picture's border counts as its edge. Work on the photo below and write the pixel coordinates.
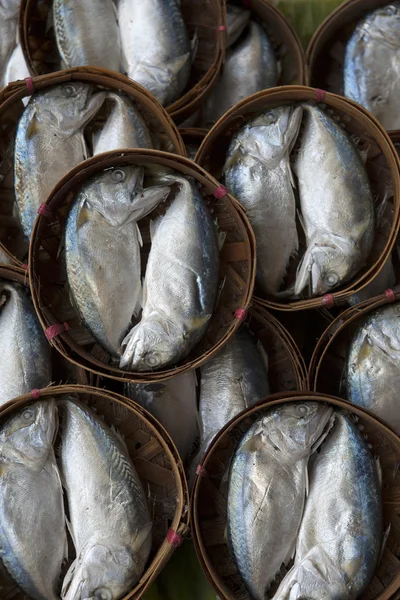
(372, 371)
(250, 66)
(124, 128)
(110, 521)
(33, 548)
(102, 251)
(49, 142)
(181, 281)
(26, 363)
(174, 404)
(87, 33)
(155, 46)
(372, 64)
(267, 489)
(8, 34)
(258, 160)
(16, 66)
(236, 21)
(340, 230)
(340, 538)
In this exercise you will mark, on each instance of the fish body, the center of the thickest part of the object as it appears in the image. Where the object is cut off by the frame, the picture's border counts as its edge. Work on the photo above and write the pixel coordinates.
(340, 228)
(87, 33)
(102, 251)
(155, 46)
(124, 128)
(236, 21)
(174, 404)
(26, 362)
(267, 490)
(33, 538)
(372, 371)
(258, 173)
(110, 522)
(181, 281)
(250, 66)
(16, 66)
(49, 142)
(339, 539)
(8, 35)
(372, 64)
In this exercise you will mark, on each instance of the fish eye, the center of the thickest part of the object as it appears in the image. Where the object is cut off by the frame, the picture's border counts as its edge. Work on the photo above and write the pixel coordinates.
(390, 10)
(303, 409)
(103, 594)
(331, 278)
(118, 175)
(70, 90)
(270, 117)
(152, 361)
(28, 413)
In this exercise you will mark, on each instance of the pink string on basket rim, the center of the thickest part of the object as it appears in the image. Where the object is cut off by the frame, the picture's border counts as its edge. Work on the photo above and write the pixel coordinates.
(174, 539)
(25, 266)
(390, 295)
(320, 95)
(45, 211)
(241, 314)
(30, 85)
(201, 471)
(55, 330)
(221, 28)
(328, 300)
(35, 394)
(220, 192)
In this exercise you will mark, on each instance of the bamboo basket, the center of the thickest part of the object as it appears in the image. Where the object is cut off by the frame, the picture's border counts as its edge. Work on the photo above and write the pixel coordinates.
(157, 463)
(209, 499)
(382, 166)
(164, 133)
(49, 283)
(326, 51)
(192, 137)
(204, 19)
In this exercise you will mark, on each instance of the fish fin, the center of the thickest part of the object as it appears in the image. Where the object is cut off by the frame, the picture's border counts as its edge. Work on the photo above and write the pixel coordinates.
(254, 444)
(302, 222)
(221, 239)
(68, 578)
(379, 470)
(140, 239)
(263, 354)
(194, 45)
(154, 225)
(384, 541)
(149, 199)
(198, 322)
(141, 537)
(303, 272)
(324, 434)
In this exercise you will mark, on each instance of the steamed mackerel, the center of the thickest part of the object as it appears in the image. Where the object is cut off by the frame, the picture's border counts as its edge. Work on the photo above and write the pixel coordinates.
(236, 21)
(87, 33)
(155, 46)
(26, 362)
(8, 34)
(250, 66)
(372, 64)
(267, 489)
(372, 371)
(181, 281)
(49, 142)
(258, 173)
(124, 127)
(102, 251)
(339, 539)
(33, 540)
(110, 521)
(337, 208)
(16, 67)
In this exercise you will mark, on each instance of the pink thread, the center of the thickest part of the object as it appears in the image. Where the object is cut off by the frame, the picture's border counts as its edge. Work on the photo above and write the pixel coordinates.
(320, 95)
(390, 295)
(55, 330)
(30, 85)
(221, 28)
(328, 301)
(241, 314)
(200, 471)
(25, 266)
(35, 394)
(220, 192)
(174, 539)
(45, 211)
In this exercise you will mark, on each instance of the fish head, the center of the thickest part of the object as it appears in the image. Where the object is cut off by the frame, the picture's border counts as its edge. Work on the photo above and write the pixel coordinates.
(326, 266)
(27, 437)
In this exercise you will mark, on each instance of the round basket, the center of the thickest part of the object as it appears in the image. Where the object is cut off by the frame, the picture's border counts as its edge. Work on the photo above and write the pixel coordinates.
(382, 166)
(192, 137)
(205, 19)
(48, 278)
(156, 461)
(164, 133)
(326, 51)
(209, 499)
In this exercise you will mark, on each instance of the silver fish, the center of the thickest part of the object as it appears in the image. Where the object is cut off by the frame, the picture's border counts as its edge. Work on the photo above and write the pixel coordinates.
(87, 33)
(181, 281)
(372, 64)
(340, 230)
(33, 540)
(124, 127)
(257, 171)
(236, 21)
(372, 371)
(8, 33)
(26, 362)
(339, 539)
(267, 489)
(238, 376)
(16, 66)
(49, 142)
(155, 46)
(249, 67)
(174, 404)
(110, 521)
(102, 251)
